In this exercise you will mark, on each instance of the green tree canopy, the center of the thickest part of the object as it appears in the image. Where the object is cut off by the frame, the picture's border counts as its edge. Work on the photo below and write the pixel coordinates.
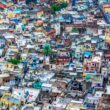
(14, 61)
(63, 5)
(31, 1)
(75, 30)
(58, 7)
(55, 7)
(47, 49)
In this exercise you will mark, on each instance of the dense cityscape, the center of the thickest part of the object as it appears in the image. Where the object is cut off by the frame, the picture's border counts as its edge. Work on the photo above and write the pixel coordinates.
(54, 54)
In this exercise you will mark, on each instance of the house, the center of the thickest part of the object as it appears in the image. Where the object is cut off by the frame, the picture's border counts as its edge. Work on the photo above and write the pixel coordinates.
(63, 57)
(67, 42)
(107, 35)
(75, 105)
(3, 78)
(57, 27)
(8, 99)
(99, 42)
(69, 27)
(105, 7)
(88, 46)
(4, 26)
(107, 57)
(2, 42)
(93, 63)
(104, 102)
(49, 32)
(61, 103)
(10, 39)
(6, 78)
(29, 49)
(2, 52)
(40, 13)
(20, 94)
(68, 68)
(12, 52)
(47, 11)
(65, 18)
(78, 52)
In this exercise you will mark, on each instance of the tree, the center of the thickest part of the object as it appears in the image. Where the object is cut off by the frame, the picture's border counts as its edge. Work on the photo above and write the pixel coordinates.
(55, 7)
(75, 30)
(63, 5)
(58, 7)
(31, 1)
(14, 61)
(47, 49)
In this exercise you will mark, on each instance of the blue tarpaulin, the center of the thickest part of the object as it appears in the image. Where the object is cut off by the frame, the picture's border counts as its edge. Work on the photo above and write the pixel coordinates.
(87, 54)
(34, 58)
(16, 20)
(17, 11)
(60, 46)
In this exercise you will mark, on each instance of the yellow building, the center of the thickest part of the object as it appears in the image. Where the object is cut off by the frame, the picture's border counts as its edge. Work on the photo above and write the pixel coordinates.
(107, 35)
